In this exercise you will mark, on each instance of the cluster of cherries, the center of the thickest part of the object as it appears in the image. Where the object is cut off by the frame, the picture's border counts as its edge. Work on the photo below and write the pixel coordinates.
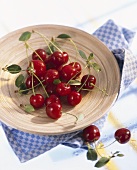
(55, 73)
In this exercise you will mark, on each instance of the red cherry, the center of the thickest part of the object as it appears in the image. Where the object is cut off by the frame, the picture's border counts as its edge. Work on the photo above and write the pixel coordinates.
(49, 63)
(91, 133)
(68, 72)
(74, 98)
(52, 99)
(50, 76)
(88, 80)
(63, 89)
(75, 87)
(37, 101)
(42, 77)
(58, 58)
(59, 68)
(38, 67)
(29, 81)
(51, 88)
(41, 53)
(122, 135)
(78, 68)
(65, 57)
(53, 110)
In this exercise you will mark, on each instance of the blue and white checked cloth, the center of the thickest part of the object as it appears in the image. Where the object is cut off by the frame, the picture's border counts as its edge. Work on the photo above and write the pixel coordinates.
(27, 146)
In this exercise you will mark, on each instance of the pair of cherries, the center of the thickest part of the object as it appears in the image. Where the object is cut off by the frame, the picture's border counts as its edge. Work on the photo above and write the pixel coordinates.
(46, 69)
(92, 134)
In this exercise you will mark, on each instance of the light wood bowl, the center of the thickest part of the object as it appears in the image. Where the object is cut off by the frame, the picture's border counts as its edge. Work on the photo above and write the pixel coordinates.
(94, 104)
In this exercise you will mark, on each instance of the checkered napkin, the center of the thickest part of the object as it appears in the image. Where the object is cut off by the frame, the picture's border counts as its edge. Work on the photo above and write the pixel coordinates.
(27, 146)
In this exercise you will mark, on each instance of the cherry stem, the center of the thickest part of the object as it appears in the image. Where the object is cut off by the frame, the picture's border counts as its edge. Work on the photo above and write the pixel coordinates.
(41, 85)
(73, 116)
(5, 68)
(102, 147)
(28, 88)
(83, 83)
(87, 66)
(73, 77)
(32, 72)
(28, 46)
(85, 80)
(89, 90)
(33, 91)
(102, 90)
(32, 80)
(46, 39)
(27, 53)
(97, 149)
(88, 145)
(77, 53)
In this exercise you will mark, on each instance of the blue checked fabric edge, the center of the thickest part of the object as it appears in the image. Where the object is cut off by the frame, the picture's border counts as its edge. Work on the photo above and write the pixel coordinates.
(27, 146)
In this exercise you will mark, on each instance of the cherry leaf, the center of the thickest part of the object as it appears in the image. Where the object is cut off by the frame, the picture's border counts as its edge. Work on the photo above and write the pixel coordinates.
(23, 89)
(116, 152)
(91, 154)
(29, 108)
(56, 81)
(19, 80)
(90, 57)
(120, 155)
(82, 54)
(74, 82)
(95, 66)
(14, 68)
(52, 47)
(63, 36)
(25, 36)
(81, 117)
(102, 161)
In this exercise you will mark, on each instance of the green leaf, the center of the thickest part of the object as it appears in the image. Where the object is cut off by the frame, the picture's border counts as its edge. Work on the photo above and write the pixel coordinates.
(14, 68)
(120, 155)
(91, 154)
(90, 57)
(116, 152)
(29, 108)
(102, 161)
(63, 36)
(56, 81)
(23, 89)
(96, 67)
(75, 82)
(25, 36)
(81, 117)
(82, 54)
(19, 80)
(52, 47)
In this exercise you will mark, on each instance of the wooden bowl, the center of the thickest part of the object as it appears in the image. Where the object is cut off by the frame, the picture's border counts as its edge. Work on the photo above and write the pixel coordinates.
(93, 105)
